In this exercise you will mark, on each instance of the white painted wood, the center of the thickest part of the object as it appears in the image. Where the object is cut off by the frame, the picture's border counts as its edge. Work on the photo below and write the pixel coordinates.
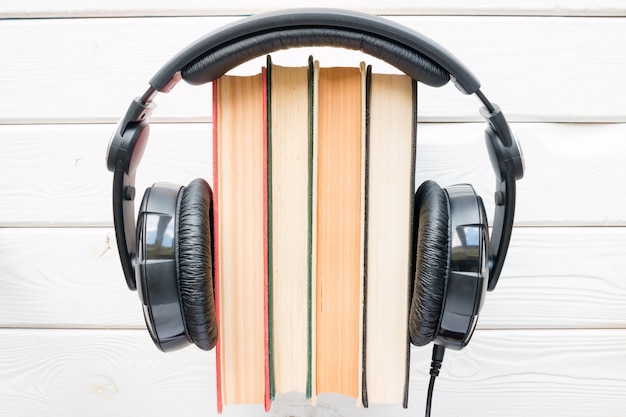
(560, 278)
(28, 9)
(536, 68)
(512, 373)
(64, 277)
(63, 179)
(573, 171)
(538, 373)
(101, 373)
(553, 278)
(551, 340)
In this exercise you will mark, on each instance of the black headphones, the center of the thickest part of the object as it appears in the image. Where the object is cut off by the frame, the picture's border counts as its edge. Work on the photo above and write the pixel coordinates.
(167, 255)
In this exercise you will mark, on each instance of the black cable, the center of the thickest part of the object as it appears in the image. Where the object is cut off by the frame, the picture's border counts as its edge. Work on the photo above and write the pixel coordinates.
(429, 398)
(435, 366)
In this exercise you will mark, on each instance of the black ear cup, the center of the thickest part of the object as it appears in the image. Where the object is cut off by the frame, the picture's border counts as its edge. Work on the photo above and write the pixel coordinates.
(195, 263)
(431, 231)
(174, 265)
(450, 242)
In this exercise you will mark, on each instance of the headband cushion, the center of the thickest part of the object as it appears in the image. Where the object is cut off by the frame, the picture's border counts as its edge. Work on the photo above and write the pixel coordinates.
(216, 63)
(195, 263)
(432, 263)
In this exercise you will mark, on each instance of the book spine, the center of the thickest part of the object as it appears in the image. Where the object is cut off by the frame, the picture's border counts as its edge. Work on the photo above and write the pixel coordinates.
(362, 250)
(339, 241)
(242, 239)
(368, 97)
(216, 248)
(313, 175)
(267, 400)
(270, 216)
(412, 251)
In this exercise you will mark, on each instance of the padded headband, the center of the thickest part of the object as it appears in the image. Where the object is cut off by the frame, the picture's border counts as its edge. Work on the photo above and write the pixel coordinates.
(418, 56)
(218, 52)
(212, 65)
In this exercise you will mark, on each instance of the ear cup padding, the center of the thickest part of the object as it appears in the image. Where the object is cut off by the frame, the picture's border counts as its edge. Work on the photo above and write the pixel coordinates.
(195, 263)
(432, 263)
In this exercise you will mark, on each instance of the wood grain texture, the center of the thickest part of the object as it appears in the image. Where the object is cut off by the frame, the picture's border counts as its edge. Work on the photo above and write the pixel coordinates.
(64, 278)
(101, 373)
(536, 68)
(575, 373)
(560, 277)
(56, 175)
(28, 9)
(540, 373)
(573, 171)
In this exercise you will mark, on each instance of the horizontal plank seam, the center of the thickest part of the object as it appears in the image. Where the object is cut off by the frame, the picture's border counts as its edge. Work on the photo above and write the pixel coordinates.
(74, 226)
(189, 121)
(595, 120)
(440, 13)
(478, 329)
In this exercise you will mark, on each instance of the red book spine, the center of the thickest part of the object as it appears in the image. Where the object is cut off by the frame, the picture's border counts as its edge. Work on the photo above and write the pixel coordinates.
(265, 247)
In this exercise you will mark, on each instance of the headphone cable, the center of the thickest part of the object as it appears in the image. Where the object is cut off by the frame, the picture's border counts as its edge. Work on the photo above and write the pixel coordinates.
(435, 366)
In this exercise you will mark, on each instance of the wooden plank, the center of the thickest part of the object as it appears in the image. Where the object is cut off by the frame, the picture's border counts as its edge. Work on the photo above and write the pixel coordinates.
(570, 180)
(64, 278)
(571, 176)
(63, 178)
(87, 70)
(29, 9)
(553, 278)
(524, 373)
(84, 67)
(101, 373)
(573, 373)
(560, 277)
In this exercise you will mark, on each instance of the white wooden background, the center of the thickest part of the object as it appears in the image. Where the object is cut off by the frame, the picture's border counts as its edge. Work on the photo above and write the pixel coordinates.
(551, 338)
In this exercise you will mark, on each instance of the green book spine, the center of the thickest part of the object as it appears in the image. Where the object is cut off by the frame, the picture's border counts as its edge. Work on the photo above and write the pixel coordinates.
(310, 231)
(270, 294)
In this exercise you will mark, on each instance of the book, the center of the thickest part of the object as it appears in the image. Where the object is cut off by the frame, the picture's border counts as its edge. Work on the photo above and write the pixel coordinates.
(314, 180)
(240, 182)
(390, 155)
(290, 175)
(338, 152)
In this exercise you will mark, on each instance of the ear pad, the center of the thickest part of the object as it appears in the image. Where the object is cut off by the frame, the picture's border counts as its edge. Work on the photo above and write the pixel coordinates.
(431, 231)
(195, 263)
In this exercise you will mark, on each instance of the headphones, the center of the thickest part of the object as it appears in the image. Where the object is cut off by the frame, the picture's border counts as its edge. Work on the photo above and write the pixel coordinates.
(168, 254)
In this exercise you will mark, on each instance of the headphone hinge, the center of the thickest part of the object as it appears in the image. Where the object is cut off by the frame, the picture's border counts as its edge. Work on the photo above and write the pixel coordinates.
(139, 110)
(498, 123)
